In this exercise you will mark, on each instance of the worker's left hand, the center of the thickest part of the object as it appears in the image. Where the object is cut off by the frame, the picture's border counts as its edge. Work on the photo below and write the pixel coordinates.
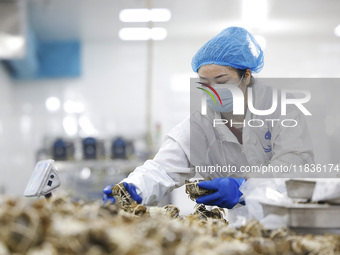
(130, 188)
(227, 193)
(107, 195)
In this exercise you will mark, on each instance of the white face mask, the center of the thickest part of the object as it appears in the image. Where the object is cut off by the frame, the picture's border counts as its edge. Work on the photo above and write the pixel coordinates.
(226, 98)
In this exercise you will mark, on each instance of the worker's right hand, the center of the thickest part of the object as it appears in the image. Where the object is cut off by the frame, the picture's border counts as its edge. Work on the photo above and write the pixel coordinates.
(130, 188)
(132, 191)
(226, 195)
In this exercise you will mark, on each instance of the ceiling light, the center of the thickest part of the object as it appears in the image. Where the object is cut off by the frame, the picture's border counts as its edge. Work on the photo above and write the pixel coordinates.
(160, 15)
(11, 45)
(142, 33)
(145, 15)
(52, 104)
(158, 33)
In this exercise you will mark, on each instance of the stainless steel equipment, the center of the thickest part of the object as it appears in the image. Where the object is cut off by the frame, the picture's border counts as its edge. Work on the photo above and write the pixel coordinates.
(300, 189)
(308, 218)
(304, 216)
(304, 189)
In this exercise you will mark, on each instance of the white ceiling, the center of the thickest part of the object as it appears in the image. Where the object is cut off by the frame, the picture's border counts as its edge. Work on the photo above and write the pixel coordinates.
(98, 19)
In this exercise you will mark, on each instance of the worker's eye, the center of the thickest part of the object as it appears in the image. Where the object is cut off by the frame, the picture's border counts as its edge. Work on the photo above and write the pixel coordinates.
(222, 82)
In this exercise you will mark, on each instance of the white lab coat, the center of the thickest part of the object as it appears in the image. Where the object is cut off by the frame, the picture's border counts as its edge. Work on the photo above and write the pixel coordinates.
(173, 164)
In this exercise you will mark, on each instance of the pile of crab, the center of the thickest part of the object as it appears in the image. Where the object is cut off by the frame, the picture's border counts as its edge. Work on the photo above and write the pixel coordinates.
(60, 226)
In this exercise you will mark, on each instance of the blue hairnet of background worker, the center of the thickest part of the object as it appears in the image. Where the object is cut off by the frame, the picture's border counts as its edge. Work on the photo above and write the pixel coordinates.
(229, 58)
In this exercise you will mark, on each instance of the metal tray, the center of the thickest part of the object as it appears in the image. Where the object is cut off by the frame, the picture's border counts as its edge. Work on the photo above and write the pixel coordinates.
(300, 189)
(307, 216)
(303, 189)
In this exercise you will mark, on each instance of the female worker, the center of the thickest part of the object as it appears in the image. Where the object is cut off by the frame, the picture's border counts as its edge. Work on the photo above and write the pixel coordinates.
(228, 58)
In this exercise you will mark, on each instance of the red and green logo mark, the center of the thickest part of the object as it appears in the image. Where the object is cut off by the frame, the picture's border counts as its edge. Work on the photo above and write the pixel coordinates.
(209, 93)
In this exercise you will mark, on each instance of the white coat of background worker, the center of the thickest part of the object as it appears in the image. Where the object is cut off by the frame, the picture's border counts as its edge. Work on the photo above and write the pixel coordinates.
(228, 58)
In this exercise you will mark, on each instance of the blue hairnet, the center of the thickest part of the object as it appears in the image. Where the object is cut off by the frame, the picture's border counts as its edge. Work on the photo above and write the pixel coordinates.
(234, 47)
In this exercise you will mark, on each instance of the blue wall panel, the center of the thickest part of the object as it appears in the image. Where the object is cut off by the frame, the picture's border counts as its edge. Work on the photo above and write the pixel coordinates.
(59, 59)
(47, 60)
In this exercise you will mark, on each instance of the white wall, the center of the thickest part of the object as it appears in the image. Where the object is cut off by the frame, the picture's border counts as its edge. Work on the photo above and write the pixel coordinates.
(111, 87)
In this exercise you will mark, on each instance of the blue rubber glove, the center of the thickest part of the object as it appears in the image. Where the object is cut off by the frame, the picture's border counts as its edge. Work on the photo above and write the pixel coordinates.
(227, 193)
(132, 191)
(107, 195)
(130, 188)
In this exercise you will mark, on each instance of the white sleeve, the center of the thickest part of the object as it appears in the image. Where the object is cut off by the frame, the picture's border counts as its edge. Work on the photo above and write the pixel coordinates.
(169, 168)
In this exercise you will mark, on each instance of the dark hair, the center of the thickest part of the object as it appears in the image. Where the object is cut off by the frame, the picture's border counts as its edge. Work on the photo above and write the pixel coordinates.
(240, 72)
